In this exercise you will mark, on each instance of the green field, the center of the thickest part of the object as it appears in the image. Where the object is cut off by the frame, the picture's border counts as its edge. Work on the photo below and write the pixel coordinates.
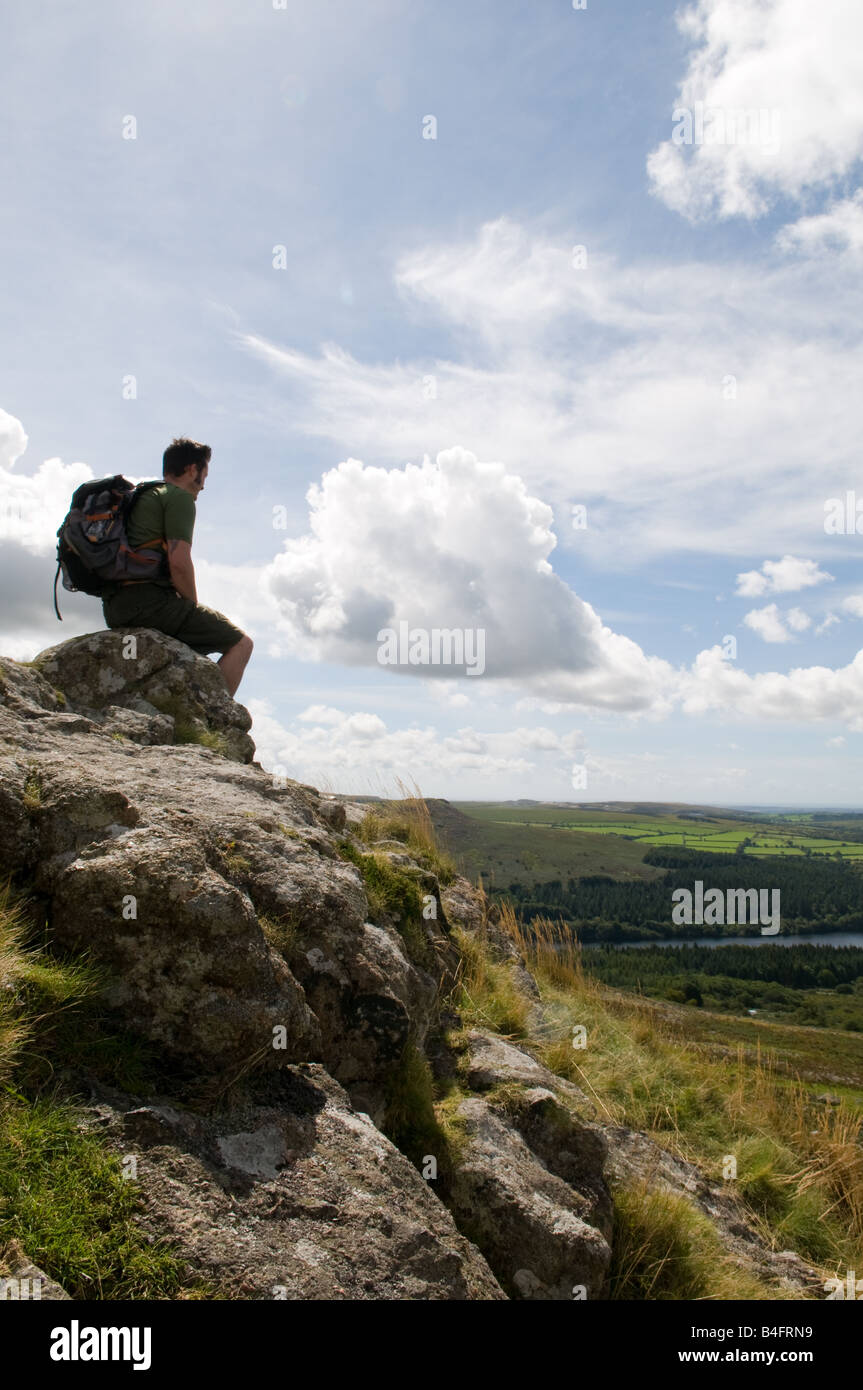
(720, 832)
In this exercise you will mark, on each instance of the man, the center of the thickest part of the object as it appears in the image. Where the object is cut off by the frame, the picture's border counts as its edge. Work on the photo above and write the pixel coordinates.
(165, 515)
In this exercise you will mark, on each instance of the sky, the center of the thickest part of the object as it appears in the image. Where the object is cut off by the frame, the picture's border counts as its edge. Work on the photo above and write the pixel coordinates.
(538, 326)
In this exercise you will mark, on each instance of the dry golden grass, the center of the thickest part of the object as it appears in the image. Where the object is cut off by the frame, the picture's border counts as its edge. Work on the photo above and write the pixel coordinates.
(800, 1164)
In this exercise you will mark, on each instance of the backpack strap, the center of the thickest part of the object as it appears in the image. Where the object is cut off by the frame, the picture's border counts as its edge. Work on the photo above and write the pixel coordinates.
(56, 609)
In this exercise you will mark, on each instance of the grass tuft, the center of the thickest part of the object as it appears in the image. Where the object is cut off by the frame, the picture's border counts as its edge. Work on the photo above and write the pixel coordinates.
(664, 1249)
(487, 995)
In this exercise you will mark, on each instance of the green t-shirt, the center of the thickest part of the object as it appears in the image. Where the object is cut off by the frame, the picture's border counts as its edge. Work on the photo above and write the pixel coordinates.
(162, 513)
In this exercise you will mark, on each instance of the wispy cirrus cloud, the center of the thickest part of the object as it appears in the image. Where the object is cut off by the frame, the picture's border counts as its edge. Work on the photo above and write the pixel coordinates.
(631, 389)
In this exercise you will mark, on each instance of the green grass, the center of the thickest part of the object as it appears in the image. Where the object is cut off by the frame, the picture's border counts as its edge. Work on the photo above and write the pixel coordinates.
(664, 1249)
(236, 866)
(487, 994)
(64, 1198)
(824, 1058)
(800, 1163)
(411, 1121)
(65, 1201)
(186, 732)
(800, 1168)
(805, 1196)
(392, 894)
(410, 823)
(520, 840)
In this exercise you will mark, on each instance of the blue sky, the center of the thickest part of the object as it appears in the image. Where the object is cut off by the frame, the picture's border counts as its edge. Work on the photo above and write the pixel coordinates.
(694, 384)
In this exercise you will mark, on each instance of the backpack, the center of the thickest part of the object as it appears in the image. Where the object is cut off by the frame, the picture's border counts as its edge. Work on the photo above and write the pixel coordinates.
(92, 544)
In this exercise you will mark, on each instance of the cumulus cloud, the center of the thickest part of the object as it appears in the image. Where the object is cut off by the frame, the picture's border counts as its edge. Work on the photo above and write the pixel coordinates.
(804, 695)
(853, 604)
(781, 577)
(458, 545)
(767, 623)
(797, 620)
(799, 68)
(13, 440)
(331, 748)
(774, 626)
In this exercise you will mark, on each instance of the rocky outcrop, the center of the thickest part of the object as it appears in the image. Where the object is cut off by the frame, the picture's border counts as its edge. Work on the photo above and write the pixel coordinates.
(148, 688)
(277, 964)
(214, 893)
(301, 1199)
(529, 1186)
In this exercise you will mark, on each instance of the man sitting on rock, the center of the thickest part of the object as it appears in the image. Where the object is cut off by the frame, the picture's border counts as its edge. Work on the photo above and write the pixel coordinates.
(166, 515)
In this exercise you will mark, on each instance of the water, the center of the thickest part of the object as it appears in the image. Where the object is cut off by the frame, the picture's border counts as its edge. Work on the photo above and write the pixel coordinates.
(838, 938)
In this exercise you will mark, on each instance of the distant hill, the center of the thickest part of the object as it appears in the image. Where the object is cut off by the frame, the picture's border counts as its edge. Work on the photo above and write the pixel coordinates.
(503, 854)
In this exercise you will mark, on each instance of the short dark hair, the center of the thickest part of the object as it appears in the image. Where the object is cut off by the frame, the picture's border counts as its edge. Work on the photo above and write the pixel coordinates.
(180, 453)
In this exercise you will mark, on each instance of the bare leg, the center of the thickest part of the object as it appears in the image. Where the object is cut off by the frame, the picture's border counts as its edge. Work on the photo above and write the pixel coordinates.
(234, 662)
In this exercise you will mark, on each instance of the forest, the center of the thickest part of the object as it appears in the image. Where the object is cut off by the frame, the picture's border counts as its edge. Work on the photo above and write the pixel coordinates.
(817, 895)
(811, 985)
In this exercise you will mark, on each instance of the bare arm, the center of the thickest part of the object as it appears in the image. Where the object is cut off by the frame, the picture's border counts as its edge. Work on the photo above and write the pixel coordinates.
(182, 570)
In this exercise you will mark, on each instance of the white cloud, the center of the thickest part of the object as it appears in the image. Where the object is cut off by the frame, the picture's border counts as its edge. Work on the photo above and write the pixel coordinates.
(627, 389)
(767, 623)
(853, 604)
(385, 545)
(830, 620)
(455, 544)
(804, 695)
(774, 626)
(548, 740)
(800, 64)
(447, 693)
(13, 440)
(335, 752)
(780, 577)
(839, 229)
(321, 714)
(31, 509)
(797, 620)
(241, 593)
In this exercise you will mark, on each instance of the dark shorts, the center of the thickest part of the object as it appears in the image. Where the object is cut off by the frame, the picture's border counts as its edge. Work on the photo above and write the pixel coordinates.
(162, 608)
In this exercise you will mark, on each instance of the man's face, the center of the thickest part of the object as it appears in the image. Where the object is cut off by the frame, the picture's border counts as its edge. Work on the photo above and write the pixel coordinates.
(197, 479)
